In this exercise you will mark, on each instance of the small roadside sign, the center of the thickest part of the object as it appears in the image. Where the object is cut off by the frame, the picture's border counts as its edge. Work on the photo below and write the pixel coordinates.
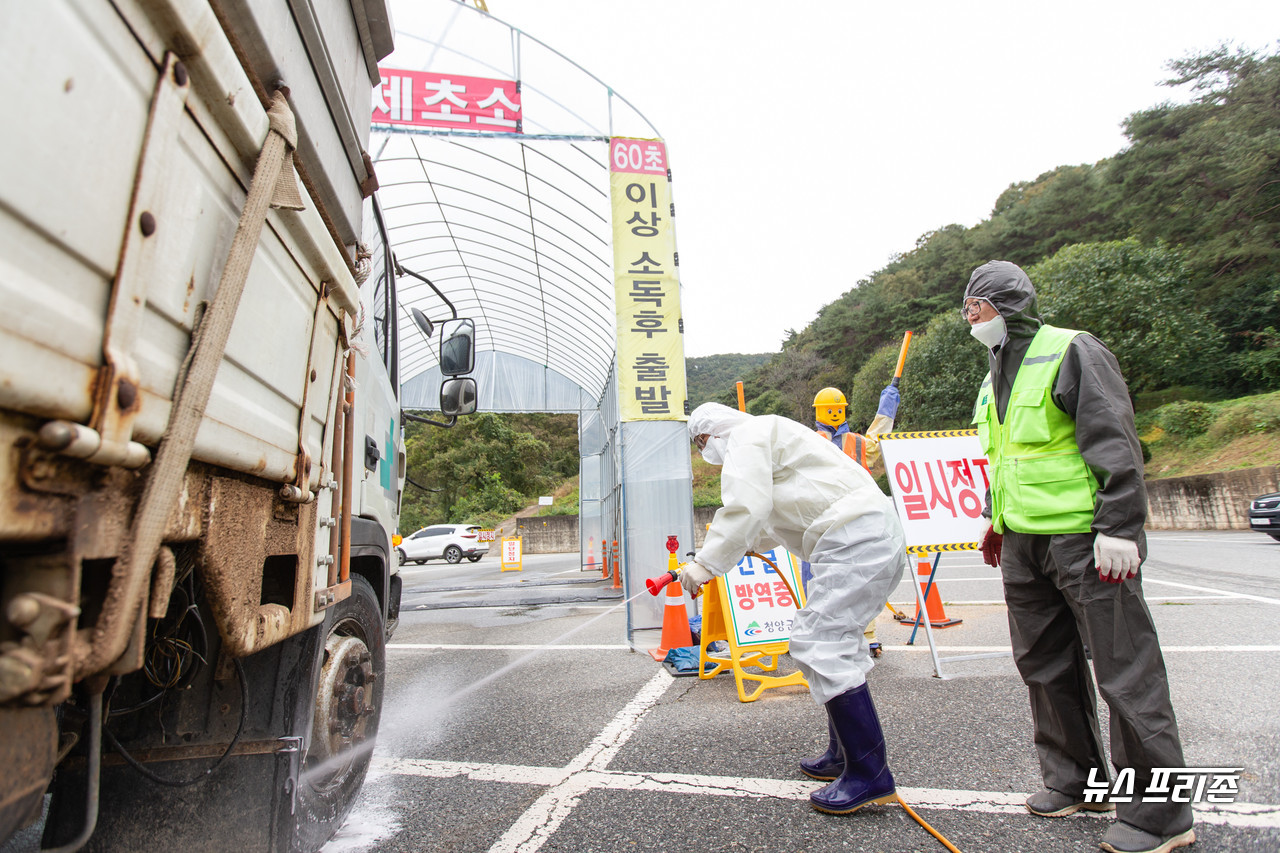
(511, 555)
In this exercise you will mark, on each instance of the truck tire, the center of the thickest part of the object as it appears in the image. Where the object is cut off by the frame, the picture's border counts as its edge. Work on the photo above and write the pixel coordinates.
(453, 554)
(250, 802)
(348, 706)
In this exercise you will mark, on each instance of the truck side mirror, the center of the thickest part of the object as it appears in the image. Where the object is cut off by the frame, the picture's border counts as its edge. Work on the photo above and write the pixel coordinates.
(458, 396)
(457, 347)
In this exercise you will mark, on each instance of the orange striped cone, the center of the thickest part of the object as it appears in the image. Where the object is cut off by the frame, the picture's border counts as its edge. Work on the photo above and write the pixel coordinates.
(591, 555)
(932, 601)
(675, 623)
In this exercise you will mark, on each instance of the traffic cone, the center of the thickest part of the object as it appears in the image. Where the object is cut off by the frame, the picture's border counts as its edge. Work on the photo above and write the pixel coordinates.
(591, 555)
(932, 601)
(675, 623)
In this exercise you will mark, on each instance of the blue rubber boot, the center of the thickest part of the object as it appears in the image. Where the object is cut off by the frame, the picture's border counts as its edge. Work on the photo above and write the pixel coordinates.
(830, 764)
(866, 778)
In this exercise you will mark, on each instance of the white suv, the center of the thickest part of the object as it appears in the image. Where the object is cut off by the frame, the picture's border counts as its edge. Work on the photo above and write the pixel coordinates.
(450, 541)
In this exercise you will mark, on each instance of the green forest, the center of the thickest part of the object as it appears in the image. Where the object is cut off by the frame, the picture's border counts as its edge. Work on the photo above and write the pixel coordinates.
(1169, 252)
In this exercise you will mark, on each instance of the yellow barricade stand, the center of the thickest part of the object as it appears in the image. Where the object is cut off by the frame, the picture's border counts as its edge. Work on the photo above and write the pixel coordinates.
(716, 623)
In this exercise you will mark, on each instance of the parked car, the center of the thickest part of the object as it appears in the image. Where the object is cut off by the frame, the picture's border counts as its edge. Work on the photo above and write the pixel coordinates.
(450, 541)
(1264, 515)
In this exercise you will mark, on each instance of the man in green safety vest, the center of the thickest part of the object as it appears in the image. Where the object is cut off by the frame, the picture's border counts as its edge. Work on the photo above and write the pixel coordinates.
(1067, 504)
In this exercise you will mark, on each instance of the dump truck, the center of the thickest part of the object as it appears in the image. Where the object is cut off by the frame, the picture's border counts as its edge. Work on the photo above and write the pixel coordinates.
(201, 453)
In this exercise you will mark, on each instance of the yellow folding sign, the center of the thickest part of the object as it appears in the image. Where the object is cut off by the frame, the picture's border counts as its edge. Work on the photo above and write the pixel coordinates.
(751, 609)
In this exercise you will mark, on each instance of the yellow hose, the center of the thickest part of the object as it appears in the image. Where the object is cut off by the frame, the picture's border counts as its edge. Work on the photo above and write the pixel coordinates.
(938, 835)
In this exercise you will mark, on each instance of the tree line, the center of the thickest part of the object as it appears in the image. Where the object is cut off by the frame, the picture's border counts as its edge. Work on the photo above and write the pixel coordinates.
(485, 468)
(1168, 251)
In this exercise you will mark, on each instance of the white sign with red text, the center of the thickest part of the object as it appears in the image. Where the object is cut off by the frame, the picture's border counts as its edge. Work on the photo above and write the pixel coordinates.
(511, 556)
(761, 606)
(939, 482)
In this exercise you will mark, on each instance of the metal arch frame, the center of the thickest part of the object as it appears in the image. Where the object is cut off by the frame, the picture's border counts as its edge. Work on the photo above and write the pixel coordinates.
(517, 35)
(566, 274)
(481, 153)
(451, 188)
(538, 279)
(529, 263)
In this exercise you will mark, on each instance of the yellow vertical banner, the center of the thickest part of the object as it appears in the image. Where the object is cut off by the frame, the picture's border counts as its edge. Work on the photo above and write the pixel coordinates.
(651, 379)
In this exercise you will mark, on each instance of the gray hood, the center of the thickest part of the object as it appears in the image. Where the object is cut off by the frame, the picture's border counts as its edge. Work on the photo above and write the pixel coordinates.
(1010, 292)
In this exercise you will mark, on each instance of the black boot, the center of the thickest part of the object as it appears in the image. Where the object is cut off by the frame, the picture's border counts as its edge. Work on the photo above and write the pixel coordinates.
(866, 778)
(830, 764)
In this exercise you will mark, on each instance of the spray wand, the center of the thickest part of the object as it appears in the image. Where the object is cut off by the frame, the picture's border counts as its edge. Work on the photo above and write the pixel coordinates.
(657, 584)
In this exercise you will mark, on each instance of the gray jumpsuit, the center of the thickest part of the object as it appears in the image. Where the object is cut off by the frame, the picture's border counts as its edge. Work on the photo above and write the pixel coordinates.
(1058, 603)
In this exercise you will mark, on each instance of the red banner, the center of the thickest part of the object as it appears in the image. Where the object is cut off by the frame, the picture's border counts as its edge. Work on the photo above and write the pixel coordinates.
(422, 99)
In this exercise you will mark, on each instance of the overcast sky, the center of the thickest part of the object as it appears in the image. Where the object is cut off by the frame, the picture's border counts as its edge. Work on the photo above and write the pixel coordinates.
(810, 142)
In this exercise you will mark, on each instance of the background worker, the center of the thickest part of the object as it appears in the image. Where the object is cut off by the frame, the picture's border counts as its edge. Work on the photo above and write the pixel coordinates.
(829, 421)
(783, 485)
(829, 407)
(1067, 505)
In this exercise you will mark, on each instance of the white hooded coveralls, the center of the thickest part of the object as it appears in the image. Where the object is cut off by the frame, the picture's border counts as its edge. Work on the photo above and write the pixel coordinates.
(784, 485)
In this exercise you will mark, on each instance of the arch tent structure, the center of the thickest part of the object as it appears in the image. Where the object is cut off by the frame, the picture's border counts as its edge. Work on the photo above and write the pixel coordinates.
(493, 157)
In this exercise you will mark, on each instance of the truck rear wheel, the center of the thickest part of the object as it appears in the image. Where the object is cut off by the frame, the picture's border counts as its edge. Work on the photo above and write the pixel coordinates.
(323, 687)
(348, 707)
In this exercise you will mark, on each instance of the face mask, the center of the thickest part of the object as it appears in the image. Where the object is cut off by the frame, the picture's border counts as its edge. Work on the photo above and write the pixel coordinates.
(714, 450)
(991, 333)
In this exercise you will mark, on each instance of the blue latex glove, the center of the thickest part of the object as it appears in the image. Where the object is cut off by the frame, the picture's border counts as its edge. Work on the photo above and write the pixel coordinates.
(889, 400)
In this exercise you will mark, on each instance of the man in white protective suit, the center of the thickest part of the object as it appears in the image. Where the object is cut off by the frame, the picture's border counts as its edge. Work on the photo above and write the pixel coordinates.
(784, 485)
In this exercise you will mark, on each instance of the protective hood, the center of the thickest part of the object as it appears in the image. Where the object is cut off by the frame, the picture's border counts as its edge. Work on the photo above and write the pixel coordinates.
(715, 419)
(1010, 292)
(718, 422)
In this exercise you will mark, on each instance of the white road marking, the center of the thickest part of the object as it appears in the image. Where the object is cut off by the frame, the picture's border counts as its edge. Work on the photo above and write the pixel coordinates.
(544, 817)
(1183, 537)
(576, 783)
(904, 648)
(904, 605)
(924, 647)
(937, 581)
(1156, 599)
(1222, 592)
(529, 647)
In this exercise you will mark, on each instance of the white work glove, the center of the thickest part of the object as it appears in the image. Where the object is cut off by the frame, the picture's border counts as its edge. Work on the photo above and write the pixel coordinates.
(693, 576)
(1115, 558)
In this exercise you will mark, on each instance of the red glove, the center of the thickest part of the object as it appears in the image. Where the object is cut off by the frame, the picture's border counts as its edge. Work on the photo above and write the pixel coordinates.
(991, 544)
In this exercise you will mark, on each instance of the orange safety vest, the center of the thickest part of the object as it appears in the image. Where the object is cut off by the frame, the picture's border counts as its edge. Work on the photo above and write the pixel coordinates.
(853, 444)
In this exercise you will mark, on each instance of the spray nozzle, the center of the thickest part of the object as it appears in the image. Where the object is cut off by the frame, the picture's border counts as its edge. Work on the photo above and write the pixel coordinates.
(657, 584)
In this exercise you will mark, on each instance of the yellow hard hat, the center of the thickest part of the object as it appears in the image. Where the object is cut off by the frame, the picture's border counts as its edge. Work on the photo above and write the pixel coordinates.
(828, 407)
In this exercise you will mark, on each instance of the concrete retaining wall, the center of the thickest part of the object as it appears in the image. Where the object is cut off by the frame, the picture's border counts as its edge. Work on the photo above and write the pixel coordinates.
(1205, 502)
(550, 534)
(1208, 501)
